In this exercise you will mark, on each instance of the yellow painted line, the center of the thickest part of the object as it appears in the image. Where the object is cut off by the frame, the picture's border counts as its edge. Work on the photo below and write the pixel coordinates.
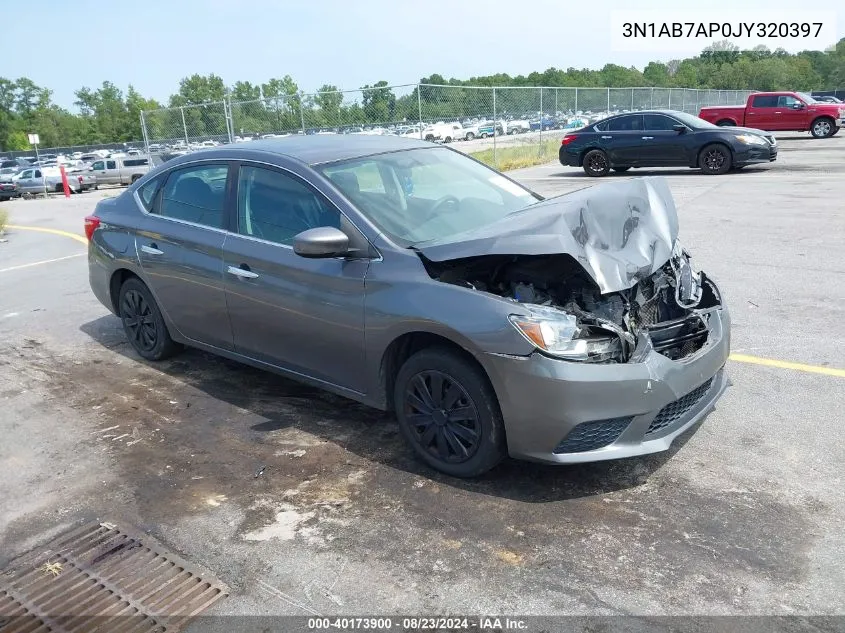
(79, 238)
(43, 261)
(783, 364)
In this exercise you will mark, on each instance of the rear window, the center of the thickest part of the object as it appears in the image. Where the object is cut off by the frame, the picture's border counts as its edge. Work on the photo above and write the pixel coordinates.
(765, 101)
(135, 162)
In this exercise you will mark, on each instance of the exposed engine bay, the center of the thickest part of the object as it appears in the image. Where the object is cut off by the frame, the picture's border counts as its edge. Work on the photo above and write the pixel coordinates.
(670, 307)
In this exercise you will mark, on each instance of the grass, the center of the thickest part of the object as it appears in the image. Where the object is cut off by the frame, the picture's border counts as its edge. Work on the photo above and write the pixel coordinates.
(518, 156)
(4, 218)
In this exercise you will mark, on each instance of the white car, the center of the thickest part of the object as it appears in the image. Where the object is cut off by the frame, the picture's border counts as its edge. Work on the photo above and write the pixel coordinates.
(444, 132)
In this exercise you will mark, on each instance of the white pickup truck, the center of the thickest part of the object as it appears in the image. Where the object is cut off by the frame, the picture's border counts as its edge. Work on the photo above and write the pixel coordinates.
(444, 132)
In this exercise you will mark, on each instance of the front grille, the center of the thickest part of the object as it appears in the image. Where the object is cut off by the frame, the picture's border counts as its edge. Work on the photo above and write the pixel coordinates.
(588, 436)
(676, 410)
(678, 339)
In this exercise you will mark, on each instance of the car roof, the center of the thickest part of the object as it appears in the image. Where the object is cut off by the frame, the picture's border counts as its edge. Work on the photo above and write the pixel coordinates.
(313, 149)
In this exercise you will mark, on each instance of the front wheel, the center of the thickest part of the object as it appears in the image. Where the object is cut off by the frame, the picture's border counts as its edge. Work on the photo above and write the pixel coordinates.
(596, 163)
(822, 127)
(143, 322)
(484, 135)
(470, 136)
(715, 159)
(448, 413)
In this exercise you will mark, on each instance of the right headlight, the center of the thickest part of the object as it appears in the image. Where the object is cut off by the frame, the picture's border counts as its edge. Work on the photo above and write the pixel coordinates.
(558, 334)
(751, 139)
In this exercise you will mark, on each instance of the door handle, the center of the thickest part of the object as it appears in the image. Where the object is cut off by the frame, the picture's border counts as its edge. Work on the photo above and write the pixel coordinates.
(778, 112)
(607, 137)
(152, 249)
(243, 273)
(647, 138)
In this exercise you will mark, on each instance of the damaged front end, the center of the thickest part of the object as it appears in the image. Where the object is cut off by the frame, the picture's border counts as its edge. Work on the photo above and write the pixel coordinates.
(600, 271)
(569, 318)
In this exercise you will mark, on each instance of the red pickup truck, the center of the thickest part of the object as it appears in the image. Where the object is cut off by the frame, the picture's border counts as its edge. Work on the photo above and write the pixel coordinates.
(778, 111)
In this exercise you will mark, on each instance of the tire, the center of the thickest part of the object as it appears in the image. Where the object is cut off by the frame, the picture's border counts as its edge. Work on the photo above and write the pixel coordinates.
(59, 189)
(622, 170)
(465, 446)
(148, 335)
(483, 135)
(835, 132)
(134, 178)
(596, 163)
(429, 137)
(448, 139)
(470, 136)
(823, 127)
(726, 123)
(715, 159)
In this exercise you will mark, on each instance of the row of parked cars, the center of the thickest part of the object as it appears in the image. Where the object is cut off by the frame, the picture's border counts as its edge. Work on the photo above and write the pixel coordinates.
(31, 176)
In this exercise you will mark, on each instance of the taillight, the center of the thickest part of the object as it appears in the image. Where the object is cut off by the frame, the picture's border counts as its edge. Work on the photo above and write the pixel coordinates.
(568, 139)
(80, 180)
(91, 224)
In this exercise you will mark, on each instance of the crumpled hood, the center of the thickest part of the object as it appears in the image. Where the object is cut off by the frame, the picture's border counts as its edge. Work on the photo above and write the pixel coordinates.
(620, 232)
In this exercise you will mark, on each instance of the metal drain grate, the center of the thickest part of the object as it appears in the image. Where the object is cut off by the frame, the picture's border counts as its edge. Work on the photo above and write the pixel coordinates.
(100, 578)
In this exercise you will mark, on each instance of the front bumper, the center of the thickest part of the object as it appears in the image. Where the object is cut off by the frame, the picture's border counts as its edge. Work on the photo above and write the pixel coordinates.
(754, 154)
(638, 407)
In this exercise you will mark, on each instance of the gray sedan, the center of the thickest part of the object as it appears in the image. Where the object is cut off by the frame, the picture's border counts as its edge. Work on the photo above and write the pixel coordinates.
(412, 278)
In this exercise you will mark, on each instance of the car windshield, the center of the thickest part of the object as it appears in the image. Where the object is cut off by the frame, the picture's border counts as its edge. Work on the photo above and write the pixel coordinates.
(806, 98)
(427, 194)
(692, 121)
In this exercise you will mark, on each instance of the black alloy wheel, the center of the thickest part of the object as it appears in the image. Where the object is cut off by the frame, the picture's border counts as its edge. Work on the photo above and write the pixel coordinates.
(442, 416)
(596, 163)
(143, 323)
(715, 160)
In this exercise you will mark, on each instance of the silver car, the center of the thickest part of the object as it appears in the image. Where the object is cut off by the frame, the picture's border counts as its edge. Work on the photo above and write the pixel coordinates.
(410, 277)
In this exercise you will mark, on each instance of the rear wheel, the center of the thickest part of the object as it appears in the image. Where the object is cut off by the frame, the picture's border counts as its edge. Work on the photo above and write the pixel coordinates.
(143, 323)
(596, 163)
(483, 135)
(715, 159)
(822, 127)
(470, 136)
(448, 413)
(726, 123)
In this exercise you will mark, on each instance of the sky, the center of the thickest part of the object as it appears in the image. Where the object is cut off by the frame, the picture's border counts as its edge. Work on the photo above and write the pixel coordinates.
(152, 44)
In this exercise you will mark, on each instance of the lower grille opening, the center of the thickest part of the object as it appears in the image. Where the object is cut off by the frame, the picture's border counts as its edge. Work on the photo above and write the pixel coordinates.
(676, 410)
(588, 436)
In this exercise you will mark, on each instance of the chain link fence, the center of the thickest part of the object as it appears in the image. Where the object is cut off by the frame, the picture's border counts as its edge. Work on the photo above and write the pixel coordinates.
(503, 126)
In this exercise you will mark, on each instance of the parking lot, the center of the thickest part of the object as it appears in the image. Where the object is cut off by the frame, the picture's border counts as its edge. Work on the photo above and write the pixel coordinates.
(305, 503)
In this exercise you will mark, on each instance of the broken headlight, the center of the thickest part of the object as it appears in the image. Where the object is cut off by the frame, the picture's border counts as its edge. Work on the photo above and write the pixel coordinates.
(558, 334)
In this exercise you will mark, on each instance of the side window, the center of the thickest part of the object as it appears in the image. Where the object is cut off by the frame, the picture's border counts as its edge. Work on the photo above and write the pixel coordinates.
(98, 165)
(628, 123)
(276, 207)
(601, 127)
(37, 173)
(764, 101)
(195, 194)
(26, 173)
(658, 123)
(787, 101)
(148, 192)
(110, 164)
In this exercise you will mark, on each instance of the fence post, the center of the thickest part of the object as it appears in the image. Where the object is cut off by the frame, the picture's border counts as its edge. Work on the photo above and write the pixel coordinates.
(555, 89)
(632, 99)
(670, 100)
(301, 113)
(608, 99)
(184, 126)
(495, 160)
(144, 134)
(230, 125)
(541, 115)
(651, 99)
(683, 99)
(419, 108)
(576, 101)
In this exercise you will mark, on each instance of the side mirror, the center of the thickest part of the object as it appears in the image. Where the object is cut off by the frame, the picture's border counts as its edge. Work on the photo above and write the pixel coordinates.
(323, 241)
(797, 106)
(680, 129)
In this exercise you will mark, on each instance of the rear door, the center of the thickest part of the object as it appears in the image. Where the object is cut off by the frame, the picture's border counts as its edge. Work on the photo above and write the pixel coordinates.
(180, 246)
(763, 112)
(623, 139)
(663, 145)
(306, 315)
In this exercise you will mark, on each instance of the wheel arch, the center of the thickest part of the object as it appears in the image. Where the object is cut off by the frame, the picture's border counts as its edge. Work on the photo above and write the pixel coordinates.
(117, 279)
(405, 345)
(590, 148)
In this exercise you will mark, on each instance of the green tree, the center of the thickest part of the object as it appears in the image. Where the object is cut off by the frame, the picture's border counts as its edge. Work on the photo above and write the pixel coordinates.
(379, 102)
(17, 141)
